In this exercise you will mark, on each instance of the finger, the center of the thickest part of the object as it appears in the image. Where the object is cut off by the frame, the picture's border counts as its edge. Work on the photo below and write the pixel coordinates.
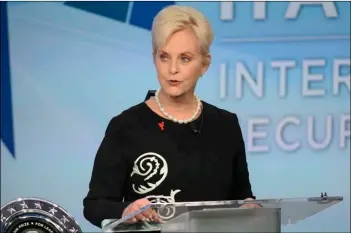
(141, 217)
(126, 212)
(131, 220)
(136, 218)
(155, 216)
(245, 206)
(249, 206)
(138, 207)
(151, 214)
(141, 204)
(255, 206)
(145, 214)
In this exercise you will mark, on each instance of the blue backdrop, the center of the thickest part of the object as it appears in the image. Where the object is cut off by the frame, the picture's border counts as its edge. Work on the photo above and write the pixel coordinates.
(284, 68)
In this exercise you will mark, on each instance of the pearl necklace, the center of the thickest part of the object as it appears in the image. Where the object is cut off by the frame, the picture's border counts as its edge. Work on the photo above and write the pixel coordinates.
(198, 108)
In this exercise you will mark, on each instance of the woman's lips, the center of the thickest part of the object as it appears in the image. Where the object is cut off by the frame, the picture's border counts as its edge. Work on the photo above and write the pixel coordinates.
(174, 83)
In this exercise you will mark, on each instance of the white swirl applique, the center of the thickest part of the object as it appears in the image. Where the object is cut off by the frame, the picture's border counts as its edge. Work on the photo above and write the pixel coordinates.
(166, 212)
(149, 170)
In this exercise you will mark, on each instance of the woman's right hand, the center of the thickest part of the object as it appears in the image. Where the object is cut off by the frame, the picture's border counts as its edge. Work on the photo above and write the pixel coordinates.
(148, 215)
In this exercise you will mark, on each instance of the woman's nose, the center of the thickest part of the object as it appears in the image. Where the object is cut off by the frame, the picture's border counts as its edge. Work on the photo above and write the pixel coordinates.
(173, 67)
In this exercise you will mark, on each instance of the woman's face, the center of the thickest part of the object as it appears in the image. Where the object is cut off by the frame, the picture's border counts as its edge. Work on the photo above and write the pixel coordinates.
(179, 63)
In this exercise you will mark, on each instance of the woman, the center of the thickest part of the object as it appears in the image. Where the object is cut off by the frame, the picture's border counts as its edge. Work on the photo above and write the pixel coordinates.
(174, 145)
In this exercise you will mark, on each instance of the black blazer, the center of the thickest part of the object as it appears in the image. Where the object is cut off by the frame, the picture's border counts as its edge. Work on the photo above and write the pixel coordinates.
(145, 155)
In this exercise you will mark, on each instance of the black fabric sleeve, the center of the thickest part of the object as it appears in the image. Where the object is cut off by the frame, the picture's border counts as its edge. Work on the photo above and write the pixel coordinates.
(105, 197)
(242, 186)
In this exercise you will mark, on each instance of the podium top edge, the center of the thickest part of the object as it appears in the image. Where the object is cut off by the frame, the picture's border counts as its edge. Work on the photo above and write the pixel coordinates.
(320, 200)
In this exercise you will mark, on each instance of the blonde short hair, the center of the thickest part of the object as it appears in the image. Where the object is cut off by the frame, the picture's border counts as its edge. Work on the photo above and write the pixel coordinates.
(176, 18)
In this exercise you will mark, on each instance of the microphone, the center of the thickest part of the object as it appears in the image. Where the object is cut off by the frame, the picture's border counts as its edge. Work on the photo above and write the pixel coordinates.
(194, 128)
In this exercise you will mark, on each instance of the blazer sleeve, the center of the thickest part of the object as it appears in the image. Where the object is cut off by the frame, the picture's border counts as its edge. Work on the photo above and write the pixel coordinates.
(109, 175)
(242, 186)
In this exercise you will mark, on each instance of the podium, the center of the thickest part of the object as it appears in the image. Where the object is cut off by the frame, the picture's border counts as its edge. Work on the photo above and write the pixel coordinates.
(225, 216)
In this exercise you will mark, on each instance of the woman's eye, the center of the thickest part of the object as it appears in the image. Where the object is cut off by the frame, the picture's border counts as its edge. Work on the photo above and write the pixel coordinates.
(163, 57)
(185, 59)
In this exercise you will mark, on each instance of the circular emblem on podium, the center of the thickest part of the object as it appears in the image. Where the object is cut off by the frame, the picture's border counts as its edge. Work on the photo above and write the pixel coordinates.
(33, 215)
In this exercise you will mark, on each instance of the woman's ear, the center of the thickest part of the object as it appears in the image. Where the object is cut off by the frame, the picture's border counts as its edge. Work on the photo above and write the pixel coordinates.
(154, 56)
(206, 63)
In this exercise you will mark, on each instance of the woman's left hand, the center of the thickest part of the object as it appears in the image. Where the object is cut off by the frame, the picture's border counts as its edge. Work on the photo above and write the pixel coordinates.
(250, 205)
